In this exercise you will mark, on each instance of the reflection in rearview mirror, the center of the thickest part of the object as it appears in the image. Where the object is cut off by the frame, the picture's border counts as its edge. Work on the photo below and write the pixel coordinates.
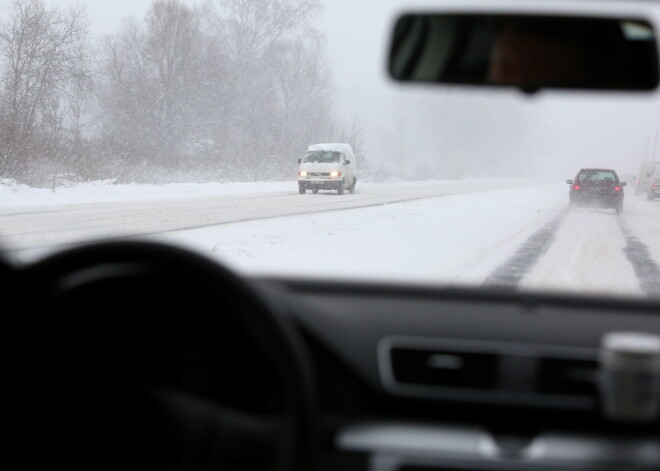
(530, 52)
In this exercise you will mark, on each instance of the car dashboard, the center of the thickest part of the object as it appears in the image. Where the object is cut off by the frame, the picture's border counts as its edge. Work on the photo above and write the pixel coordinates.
(425, 379)
(401, 377)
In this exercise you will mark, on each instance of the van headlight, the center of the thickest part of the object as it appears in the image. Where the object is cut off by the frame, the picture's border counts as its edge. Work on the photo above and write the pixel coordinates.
(335, 173)
(302, 173)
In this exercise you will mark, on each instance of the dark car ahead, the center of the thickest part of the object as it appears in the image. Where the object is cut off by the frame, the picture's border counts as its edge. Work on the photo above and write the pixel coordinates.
(596, 188)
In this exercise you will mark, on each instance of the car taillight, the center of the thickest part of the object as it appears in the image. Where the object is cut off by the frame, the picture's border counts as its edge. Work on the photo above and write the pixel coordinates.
(617, 188)
(576, 187)
(654, 185)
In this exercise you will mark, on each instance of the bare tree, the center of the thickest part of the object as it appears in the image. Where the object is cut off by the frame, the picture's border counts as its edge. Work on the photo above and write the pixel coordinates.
(233, 90)
(277, 83)
(151, 88)
(42, 51)
(252, 27)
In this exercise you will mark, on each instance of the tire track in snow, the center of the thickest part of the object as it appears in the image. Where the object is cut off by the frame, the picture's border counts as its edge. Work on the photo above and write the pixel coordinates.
(639, 256)
(511, 272)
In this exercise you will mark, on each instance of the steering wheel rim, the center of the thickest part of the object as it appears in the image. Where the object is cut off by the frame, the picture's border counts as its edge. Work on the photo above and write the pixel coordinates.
(70, 269)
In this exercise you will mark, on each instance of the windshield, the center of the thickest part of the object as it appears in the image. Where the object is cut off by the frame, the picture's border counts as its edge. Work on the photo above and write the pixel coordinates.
(323, 157)
(188, 121)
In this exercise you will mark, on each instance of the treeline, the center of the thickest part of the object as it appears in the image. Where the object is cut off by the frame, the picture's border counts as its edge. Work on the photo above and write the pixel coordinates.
(232, 90)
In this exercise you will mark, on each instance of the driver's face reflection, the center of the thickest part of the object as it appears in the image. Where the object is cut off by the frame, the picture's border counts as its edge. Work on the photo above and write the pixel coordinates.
(523, 57)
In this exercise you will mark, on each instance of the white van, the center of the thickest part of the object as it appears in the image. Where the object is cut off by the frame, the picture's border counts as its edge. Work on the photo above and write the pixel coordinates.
(327, 167)
(646, 173)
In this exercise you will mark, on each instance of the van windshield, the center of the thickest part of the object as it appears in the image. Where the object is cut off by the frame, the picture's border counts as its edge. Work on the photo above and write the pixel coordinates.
(322, 156)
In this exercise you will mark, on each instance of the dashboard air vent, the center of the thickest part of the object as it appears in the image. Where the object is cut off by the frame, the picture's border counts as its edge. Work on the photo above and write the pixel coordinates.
(445, 368)
(567, 377)
(465, 370)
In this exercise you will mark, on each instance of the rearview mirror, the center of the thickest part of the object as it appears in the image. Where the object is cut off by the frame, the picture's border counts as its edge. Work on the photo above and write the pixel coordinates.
(299, 161)
(526, 51)
(624, 184)
(569, 182)
(347, 162)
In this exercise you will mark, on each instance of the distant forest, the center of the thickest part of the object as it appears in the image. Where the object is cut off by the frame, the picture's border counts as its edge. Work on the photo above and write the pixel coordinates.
(232, 90)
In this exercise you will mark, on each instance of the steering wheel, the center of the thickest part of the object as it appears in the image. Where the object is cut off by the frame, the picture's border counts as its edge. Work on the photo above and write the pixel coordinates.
(145, 354)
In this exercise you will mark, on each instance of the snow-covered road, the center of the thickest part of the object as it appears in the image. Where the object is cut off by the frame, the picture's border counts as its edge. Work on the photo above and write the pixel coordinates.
(96, 214)
(499, 233)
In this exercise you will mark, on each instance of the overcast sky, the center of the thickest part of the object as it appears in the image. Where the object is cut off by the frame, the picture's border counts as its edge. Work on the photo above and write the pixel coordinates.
(565, 131)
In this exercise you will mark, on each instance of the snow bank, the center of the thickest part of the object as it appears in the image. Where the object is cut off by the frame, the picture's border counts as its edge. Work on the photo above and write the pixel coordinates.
(12, 194)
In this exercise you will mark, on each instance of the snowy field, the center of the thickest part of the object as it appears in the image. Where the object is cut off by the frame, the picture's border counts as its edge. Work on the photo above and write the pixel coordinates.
(431, 232)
